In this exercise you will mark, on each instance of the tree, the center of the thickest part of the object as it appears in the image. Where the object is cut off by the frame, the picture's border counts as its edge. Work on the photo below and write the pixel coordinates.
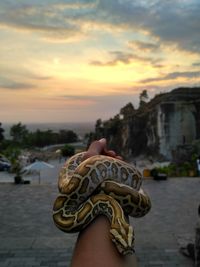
(1, 133)
(143, 98)
(18, 132)
(70, 137)
(13, 153)
(127, 110)
(17, 169)
(48, 137)
(113, 125)
(99, 130)
(68, 151)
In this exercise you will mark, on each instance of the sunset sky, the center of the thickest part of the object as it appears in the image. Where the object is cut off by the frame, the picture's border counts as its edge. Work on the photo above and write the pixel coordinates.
(80, 60)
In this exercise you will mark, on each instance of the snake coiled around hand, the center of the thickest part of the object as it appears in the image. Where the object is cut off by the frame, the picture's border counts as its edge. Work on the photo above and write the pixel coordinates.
(100, 185)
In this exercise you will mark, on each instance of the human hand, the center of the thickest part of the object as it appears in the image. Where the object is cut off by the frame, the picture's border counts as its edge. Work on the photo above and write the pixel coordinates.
(99, 147)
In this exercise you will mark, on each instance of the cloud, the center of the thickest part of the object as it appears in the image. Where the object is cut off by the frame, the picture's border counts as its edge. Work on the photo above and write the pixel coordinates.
(39, 77)
(173, 76)
(173, 22)
(75, 5)
(77, 100)
(196, 64)
(117, 57)
(123, 57)
(144, 46)
(47, 32)
(170, 22)
(20, 79)
(178, 23)
(78, 97)
(15, 85)
(42, 19)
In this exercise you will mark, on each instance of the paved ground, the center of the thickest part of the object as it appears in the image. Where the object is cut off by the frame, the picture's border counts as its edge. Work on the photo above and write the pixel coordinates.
(28, 236)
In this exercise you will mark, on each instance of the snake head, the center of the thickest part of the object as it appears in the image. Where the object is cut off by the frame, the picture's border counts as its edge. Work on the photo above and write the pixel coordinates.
(122, 237)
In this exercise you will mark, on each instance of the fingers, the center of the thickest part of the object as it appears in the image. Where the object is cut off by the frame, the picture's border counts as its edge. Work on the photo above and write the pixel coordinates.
(96, 148)
(119, 157)
(99, 147)
(103, 142)
(110, 153)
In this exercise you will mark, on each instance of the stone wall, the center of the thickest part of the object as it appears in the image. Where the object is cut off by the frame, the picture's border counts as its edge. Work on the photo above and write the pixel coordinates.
(158, 127)
(176, 125)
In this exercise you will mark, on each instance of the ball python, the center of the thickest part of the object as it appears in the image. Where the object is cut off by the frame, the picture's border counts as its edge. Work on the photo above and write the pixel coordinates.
(100, 185)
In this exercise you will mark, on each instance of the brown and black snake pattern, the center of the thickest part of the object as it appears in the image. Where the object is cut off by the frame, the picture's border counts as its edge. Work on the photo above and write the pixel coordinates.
(100, 185)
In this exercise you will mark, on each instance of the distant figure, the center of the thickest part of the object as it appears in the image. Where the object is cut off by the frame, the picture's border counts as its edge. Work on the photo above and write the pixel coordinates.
(192, 250)
(198, 165)
(197, 242)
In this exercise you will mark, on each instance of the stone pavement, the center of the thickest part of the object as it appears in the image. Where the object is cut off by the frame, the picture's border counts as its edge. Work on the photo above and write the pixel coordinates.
(29, 238)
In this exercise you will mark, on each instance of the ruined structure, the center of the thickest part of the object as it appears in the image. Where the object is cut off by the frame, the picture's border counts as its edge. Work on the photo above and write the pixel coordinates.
(157, 128)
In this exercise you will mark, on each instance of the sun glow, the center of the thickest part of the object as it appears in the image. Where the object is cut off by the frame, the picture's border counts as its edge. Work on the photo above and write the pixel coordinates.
(62, 58)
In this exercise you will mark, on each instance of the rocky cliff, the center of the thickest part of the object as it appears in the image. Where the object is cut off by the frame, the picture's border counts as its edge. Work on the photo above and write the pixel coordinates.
(156, 128)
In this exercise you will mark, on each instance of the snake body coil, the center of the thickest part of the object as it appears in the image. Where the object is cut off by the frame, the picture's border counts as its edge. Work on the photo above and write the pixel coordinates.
(100, 185)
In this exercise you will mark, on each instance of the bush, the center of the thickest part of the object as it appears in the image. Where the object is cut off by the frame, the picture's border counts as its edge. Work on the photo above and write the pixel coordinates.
(18, 179)
(176, 170)
(68, 151)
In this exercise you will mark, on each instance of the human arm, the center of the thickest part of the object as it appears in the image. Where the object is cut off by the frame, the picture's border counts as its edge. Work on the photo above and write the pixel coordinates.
(94, 246)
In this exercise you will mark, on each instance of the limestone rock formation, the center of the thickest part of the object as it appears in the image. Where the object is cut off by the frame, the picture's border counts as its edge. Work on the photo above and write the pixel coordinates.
(157, 128)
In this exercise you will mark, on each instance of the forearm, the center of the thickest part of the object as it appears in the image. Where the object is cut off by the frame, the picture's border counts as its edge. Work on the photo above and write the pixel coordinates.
(95, 248)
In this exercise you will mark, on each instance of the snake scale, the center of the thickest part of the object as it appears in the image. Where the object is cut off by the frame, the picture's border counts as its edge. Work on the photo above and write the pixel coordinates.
(100, 185)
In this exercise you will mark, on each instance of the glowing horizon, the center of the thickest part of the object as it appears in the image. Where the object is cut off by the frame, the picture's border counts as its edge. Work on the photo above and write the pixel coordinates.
(71, 61)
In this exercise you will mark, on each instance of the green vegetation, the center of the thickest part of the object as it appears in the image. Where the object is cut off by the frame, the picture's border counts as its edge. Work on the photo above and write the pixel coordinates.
(17, 169)
(127, 110)
(183, 169)
(19, 133)
(68, 151)
(1, 133)
(22, 139)
(119, 127)
(143, 98)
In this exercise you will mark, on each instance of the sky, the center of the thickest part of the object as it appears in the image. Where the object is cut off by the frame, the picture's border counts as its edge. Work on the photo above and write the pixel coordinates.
(80, 60)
